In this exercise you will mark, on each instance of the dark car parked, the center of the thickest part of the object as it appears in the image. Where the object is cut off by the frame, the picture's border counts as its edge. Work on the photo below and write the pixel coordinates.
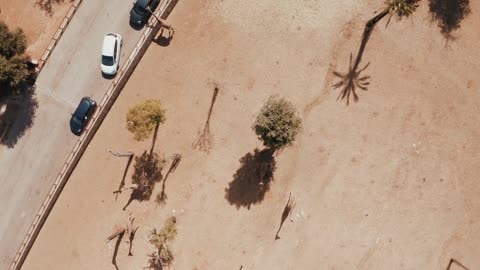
(139, 14)
(82, 115)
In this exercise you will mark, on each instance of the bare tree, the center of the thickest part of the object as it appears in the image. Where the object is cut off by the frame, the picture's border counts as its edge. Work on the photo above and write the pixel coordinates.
(205, 139)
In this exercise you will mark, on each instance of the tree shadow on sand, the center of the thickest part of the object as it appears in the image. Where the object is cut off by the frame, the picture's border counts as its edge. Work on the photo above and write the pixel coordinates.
(287, 211)
(18, 117)
(252, 180)
(47, 5)
(456, 263)
(449, 14)
(115, 251)
(162, 196)
(352, 80)
(162, 40)
(147, 172)
(122, 183)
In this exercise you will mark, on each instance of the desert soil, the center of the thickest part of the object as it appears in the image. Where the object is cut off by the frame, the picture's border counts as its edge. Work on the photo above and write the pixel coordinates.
(39, 26)
(390, 182)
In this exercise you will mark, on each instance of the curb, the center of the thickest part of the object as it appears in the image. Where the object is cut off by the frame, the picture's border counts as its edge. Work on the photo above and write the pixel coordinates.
(58, 34)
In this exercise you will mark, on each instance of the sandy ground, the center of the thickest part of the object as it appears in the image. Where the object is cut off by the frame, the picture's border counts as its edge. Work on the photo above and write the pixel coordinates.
(387, 183)
(39, 26)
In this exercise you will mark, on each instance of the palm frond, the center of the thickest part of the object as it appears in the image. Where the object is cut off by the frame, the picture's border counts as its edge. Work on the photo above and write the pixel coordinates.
(340, 75)
(350, 82)
(339, 84)
(365, 67)
(364, 78)
(401, 8)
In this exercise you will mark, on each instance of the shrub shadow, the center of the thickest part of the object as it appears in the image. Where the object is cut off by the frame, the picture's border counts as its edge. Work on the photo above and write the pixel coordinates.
(18, 117)
(252, 180)
(449, 14)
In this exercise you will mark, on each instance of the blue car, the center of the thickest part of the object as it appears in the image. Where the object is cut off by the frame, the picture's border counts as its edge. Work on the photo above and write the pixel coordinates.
(139, 14)
(82, 115)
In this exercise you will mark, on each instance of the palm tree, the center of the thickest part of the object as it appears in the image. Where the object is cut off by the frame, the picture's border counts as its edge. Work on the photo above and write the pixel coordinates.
(352, 79)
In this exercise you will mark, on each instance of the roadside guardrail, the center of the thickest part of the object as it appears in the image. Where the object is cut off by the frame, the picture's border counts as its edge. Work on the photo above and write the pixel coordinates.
(58, 34)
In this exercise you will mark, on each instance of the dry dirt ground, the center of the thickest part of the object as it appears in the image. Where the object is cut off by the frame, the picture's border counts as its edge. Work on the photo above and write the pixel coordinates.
(390, 182)
(39, 26)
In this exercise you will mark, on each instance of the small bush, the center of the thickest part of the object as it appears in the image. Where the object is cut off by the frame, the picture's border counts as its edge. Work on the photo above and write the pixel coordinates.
(278, 123)
(144, 117)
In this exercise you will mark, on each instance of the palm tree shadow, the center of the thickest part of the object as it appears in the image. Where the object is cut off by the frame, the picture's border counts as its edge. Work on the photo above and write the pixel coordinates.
(351, 81)
(252, 180)
(449, 14)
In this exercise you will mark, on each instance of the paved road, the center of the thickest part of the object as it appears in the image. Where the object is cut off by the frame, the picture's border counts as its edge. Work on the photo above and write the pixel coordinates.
(28, 170)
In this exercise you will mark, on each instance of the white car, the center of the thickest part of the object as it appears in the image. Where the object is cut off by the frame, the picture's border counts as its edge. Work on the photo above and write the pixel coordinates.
(112, 43)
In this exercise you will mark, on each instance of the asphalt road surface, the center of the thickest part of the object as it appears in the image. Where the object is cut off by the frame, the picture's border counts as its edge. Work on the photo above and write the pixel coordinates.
(28, 170)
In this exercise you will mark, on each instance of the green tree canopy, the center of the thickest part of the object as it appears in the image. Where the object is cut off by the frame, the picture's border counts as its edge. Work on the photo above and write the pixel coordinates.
(13, 67)
(278, 123)
(144, 117)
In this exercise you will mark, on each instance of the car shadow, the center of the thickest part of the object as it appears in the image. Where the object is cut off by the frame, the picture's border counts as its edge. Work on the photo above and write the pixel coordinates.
(108, 77)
